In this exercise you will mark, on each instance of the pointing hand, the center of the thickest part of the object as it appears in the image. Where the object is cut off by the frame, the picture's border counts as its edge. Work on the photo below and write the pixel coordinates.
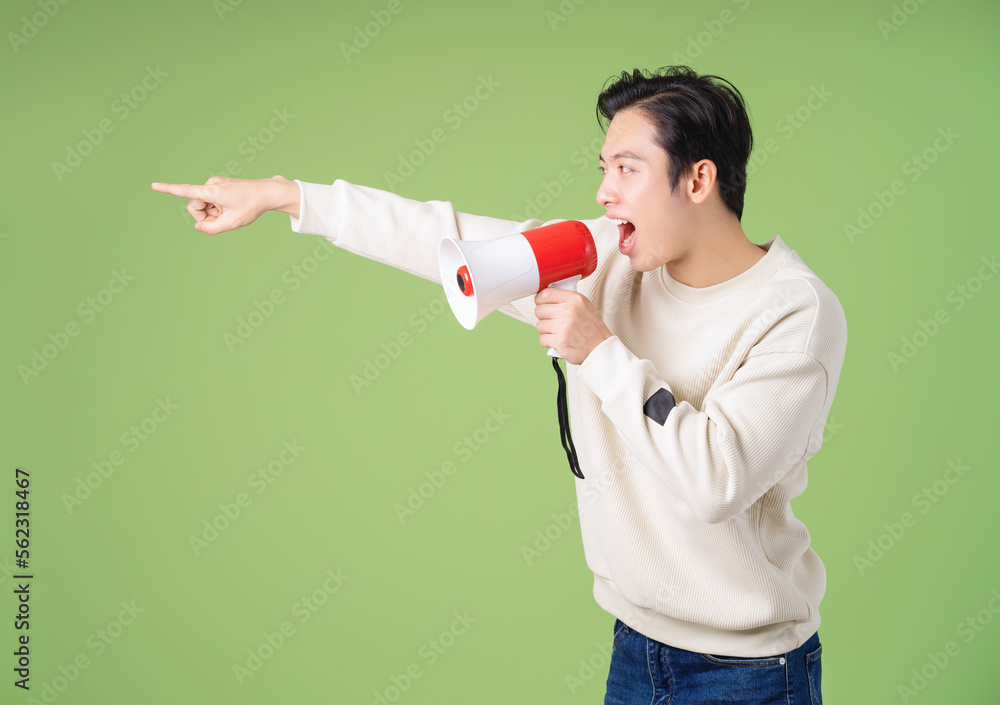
(224, 203)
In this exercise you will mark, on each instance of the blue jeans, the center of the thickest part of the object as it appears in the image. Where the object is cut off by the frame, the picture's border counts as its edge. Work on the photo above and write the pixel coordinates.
(651, 673)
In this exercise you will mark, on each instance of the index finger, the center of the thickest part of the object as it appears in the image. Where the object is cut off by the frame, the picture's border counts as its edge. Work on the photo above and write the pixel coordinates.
(183, 190)
(550, 294)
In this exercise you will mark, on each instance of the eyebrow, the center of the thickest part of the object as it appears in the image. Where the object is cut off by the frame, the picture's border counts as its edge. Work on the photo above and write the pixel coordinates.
(623, 155)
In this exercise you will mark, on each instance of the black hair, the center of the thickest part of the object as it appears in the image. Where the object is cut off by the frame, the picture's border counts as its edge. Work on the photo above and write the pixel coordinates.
(695, 118)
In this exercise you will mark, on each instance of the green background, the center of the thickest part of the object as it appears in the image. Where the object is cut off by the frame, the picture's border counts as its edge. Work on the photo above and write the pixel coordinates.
(63, 234)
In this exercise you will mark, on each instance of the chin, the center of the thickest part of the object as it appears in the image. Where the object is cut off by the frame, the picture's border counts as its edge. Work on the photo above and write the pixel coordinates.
(639, 265)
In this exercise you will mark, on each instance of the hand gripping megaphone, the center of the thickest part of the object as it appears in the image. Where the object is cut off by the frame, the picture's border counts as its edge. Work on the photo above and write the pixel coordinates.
(480, 276)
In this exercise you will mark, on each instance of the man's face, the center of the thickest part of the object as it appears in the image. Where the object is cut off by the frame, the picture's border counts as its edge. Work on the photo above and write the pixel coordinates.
(636, 188)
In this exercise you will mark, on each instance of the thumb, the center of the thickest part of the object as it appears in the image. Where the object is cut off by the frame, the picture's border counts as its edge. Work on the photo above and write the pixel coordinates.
(209, 227)
(220, 223)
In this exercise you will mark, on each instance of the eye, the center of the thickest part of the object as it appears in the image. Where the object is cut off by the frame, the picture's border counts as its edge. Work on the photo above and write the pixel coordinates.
(625, 169)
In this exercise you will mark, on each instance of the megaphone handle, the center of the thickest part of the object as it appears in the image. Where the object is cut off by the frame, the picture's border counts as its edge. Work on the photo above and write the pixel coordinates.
(567, 285)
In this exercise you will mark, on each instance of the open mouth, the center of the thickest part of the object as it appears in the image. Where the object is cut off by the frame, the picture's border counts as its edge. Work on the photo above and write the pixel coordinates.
(626, 234)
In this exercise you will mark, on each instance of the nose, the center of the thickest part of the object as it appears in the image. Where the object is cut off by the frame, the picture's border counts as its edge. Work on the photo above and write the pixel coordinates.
(606, 193)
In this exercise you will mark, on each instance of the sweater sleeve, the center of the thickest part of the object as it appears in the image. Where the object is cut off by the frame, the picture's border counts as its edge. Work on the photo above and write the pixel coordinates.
(753, 430)
(398, 231)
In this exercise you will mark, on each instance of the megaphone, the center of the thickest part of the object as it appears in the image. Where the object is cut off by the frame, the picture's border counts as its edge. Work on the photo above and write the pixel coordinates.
(480, 276)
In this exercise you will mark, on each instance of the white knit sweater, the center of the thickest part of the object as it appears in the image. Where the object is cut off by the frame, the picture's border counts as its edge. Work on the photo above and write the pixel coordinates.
(686, 510)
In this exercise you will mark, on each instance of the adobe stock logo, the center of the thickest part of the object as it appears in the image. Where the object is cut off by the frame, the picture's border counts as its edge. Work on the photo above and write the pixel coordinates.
(132, 438)
(455, 116)
(31, 25)
(901, 14)
(122, 106)
(421, 493)
(304, 609)
(389, 352)
(230, 511)
(787, 125)
(583, 157)
(364, 34)
(98, 643)
(546, 537)
(958, 296)
(937, 661)
(594, 665)
(914, 167)
(429, 652)
(87, 310)
(714, 28)
(225, 6)
(924, 501)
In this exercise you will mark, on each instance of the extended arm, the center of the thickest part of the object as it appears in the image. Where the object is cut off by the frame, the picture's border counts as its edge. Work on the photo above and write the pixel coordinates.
(375, 224)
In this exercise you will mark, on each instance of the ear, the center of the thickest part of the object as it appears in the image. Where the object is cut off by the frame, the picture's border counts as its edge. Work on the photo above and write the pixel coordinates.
(702, 180)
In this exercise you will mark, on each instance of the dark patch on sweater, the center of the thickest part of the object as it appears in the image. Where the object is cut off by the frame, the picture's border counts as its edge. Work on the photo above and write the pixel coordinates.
(658, 406)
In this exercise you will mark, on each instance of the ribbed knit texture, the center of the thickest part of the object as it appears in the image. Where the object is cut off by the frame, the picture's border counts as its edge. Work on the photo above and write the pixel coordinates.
(688, 525)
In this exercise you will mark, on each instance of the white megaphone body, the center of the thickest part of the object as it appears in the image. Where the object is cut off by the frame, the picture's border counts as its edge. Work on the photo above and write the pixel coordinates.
(482, 275)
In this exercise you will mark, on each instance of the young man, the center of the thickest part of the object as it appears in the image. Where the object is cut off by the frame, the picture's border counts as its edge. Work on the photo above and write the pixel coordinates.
(701, 370)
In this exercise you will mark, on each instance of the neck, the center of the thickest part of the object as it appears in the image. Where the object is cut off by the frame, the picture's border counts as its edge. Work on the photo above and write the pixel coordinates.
(720, 251)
